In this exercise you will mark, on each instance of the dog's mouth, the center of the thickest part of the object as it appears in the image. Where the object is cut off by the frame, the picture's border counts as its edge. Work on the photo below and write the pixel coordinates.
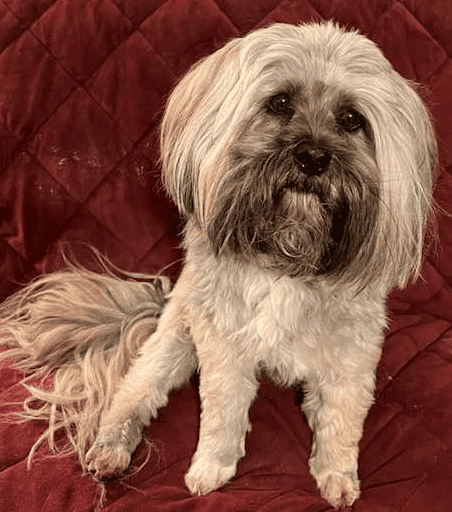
(321, 187)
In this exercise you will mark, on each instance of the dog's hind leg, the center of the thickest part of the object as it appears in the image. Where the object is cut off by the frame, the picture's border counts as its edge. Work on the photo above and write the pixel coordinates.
(166, 361)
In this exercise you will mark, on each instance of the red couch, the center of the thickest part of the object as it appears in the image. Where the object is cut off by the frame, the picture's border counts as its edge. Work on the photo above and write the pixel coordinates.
(82, 88)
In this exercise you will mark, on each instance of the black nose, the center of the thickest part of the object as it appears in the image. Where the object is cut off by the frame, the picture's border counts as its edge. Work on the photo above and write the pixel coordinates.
(312, 160)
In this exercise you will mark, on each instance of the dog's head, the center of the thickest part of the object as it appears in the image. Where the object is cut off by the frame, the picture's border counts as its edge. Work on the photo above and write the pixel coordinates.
(300, 147)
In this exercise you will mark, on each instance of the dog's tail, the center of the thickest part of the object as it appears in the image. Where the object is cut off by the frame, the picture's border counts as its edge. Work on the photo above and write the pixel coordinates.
(74, 333)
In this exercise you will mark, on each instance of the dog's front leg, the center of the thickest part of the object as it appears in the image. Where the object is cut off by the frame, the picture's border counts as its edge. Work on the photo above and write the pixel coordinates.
(167, 361)
(227, 387)
(336, 412)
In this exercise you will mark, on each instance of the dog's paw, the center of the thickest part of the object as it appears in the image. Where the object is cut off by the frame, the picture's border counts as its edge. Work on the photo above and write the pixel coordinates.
(106, 459)
(340, 489)
(206, 475)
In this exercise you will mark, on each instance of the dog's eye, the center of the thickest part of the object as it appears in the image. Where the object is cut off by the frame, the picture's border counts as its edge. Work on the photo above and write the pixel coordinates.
(351, 121)
(280, 104)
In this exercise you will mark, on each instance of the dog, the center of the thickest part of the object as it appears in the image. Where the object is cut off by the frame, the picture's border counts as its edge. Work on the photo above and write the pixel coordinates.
(303, 165)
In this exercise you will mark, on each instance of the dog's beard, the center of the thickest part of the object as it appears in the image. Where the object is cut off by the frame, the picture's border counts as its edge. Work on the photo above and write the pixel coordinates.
(270, 211)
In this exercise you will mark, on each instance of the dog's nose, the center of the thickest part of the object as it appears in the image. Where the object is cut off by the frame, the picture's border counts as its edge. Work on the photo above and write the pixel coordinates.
(312, 160)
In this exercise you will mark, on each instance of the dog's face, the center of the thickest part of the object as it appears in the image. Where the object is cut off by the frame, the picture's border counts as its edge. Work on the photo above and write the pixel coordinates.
(302, 178)
(301, 149)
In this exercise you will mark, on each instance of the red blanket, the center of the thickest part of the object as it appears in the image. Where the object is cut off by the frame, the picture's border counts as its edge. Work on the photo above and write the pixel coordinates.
(82, 88)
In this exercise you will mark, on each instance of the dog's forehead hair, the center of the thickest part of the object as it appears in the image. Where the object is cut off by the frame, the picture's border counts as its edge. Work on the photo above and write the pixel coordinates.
(318, 95)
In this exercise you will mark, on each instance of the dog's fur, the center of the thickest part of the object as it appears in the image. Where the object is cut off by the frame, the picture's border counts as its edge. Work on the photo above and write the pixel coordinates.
(303, 164)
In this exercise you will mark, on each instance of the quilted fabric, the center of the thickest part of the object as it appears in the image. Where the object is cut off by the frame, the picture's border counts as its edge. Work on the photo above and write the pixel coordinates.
(82, 88)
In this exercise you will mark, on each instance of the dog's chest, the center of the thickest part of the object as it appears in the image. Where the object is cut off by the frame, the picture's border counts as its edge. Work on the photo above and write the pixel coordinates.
(286, 326)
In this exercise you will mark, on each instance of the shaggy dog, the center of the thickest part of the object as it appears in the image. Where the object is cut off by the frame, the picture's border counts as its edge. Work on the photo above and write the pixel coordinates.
(303, 166)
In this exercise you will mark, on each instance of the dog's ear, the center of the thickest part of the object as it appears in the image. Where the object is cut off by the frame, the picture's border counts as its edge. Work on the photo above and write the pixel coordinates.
(195, 130)
(405, 152)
